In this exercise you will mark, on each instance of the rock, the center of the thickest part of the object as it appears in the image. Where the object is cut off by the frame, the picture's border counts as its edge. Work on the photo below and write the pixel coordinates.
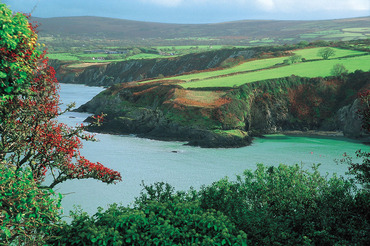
(349, 120)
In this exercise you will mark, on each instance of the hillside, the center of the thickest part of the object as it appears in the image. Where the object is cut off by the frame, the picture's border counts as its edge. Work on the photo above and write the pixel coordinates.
(230, 117)
(223, 98)
(252, 32)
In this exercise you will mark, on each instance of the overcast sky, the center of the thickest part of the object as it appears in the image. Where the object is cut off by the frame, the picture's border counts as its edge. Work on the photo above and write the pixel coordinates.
(195, 11)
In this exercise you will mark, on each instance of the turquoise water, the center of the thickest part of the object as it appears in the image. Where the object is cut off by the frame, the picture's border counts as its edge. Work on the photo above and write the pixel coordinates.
(141, 159)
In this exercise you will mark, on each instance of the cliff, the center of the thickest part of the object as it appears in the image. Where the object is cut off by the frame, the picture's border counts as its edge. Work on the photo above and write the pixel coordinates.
(230, 117)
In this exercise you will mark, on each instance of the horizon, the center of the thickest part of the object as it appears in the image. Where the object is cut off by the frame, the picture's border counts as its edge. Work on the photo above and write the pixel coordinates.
(196, 11)
(117, 18)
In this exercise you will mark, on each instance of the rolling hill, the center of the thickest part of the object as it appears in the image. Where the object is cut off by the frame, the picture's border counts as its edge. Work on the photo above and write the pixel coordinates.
(247, 31)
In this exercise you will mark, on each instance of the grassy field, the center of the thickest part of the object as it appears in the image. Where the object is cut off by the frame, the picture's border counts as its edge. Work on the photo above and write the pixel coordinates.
(174, 50)
(213, 77)
(306, 69)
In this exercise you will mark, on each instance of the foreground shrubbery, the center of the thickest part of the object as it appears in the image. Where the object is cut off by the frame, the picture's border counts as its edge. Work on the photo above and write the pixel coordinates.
(284, 205)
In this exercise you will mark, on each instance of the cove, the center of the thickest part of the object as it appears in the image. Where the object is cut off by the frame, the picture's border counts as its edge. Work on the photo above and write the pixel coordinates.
(183, 166)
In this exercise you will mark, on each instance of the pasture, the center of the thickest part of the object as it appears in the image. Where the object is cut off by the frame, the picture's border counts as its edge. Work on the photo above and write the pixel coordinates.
(255, 70)
(319, 68)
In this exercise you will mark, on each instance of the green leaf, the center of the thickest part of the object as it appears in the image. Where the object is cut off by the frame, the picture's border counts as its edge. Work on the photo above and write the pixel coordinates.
(8, 89)
(18, 217)
(3, 75)
(6, 231)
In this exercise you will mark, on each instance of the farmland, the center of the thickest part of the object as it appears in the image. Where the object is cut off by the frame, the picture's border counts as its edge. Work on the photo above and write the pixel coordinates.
(130, 53)
(251, 71)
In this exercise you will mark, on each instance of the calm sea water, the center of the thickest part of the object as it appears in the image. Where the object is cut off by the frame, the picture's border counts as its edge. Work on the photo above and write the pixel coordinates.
(151, 161)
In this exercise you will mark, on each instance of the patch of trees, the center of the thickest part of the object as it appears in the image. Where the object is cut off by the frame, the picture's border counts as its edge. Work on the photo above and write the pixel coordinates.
(286, 205)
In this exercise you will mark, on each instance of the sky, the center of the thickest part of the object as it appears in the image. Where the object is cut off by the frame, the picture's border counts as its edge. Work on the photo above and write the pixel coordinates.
(195, 11)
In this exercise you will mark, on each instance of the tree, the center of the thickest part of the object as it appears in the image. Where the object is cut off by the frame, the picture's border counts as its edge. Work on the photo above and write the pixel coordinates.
(32, 142)
(27, 213)
(30, 133)
(325, 53)
(295, 58)
(338, 70)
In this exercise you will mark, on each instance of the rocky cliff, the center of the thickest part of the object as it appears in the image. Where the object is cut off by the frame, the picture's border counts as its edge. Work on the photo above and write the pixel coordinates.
(232, 116)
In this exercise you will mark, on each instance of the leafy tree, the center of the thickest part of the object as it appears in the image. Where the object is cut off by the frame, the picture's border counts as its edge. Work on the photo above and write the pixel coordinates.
(18, 53)
(32, 142)
(30, 135)
(338, 70)
(295, 58)
(325, 53)
(27, 213)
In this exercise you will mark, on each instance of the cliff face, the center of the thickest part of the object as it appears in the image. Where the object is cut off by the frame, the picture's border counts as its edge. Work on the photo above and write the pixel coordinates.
(229, 118)
(134, 70)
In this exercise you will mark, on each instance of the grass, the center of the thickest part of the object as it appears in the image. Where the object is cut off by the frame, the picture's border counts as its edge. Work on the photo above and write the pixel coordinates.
(307, 69)
(63, 56)
(359, 29)
(309, 54)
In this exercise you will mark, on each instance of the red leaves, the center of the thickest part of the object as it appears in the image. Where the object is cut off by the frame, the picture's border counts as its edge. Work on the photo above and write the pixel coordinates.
(87, 169)
(30, 134)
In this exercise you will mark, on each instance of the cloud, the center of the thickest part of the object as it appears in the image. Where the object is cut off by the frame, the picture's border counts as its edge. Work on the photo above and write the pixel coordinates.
(275, 5)
(312, 5)
(165, 3)
(266, 4)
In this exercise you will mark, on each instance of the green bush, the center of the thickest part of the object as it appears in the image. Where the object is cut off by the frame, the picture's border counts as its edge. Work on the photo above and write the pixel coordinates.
(160, 220)
(287, 205)
(284, 205)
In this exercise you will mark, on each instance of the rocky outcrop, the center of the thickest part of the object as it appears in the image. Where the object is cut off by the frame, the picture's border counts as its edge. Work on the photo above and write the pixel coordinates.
(161, 110)
(153, 124)
(349, 121)
(133, 70)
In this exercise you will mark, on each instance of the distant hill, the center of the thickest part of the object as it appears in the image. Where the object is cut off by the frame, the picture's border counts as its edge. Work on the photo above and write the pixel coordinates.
(253, 30)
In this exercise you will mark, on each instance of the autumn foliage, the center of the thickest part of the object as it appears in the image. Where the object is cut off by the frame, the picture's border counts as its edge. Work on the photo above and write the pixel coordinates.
(36, 151)
(30, 133)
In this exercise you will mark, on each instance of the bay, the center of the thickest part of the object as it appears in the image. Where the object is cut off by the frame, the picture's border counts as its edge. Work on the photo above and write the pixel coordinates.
(140, 159)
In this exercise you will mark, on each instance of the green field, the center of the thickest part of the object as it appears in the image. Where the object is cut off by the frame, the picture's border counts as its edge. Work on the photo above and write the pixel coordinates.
(307, 69)
(63, 57)
(309, 54)
(175, 50)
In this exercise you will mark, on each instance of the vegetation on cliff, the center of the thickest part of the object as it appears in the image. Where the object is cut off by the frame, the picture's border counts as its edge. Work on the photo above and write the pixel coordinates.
(165, 110)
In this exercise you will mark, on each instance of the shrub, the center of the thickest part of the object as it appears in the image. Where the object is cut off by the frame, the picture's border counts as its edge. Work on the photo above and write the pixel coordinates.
(287, 205)
(160, 217)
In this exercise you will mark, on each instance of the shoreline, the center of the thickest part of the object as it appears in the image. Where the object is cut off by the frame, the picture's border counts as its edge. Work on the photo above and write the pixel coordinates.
(313, 133)
(328, 134)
